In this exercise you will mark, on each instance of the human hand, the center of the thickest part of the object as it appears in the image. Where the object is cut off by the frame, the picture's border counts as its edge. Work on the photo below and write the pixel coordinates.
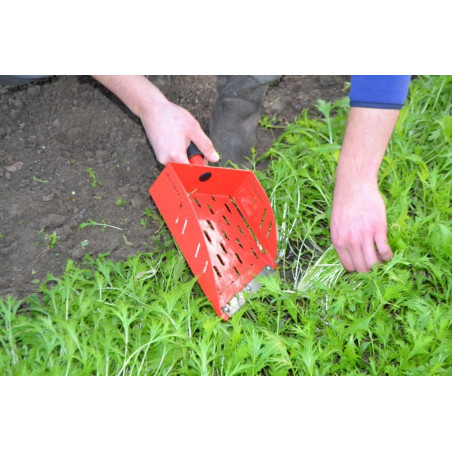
(170, 130)
(358, 226)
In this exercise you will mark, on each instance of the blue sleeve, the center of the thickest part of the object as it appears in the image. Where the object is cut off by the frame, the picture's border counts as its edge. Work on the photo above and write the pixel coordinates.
(379, 91)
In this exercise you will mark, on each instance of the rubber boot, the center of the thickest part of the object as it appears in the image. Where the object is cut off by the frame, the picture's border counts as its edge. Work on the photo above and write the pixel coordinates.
(235, 114)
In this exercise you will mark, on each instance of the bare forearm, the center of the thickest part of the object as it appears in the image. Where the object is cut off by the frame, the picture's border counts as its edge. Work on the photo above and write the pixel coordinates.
(365, 142)
(136, 91)
(358, 218)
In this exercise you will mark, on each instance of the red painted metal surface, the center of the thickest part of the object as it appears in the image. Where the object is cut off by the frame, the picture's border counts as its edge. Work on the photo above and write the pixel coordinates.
(223, 223)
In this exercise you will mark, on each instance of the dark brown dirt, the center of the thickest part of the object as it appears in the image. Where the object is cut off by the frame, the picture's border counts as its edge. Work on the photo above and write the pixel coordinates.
(65, 127)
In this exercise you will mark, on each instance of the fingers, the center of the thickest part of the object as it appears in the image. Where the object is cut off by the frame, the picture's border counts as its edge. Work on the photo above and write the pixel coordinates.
(346, 259)
(179, 157)
(353, 259)
(363, 256)
(384, 250)
(205, 145)
(359, 254)
(175, 151)
(370, 255)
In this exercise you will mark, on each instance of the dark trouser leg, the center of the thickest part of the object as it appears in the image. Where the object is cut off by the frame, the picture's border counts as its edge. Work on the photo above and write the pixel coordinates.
(235, 114)
(20, 79)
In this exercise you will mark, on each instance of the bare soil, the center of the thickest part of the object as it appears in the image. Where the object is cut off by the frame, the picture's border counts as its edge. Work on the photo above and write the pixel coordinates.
(57, 135)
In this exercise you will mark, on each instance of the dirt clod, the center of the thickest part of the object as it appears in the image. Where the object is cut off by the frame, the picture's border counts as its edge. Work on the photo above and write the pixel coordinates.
(14, 167)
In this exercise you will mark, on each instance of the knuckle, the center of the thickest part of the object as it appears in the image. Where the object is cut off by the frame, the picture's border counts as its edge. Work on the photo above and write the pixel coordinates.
(344, 241)
(338, 244)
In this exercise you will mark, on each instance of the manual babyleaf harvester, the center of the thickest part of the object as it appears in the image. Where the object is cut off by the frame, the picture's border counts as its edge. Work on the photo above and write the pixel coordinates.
(223, 223)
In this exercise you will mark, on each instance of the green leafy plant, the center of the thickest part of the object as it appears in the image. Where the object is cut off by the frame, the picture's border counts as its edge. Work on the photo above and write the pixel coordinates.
(52, 239)
(95, 223)
(120, 202)
(40, 180)
(94, 181)
(267, 123)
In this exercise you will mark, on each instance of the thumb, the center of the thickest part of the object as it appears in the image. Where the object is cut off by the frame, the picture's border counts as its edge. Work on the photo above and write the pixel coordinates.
(205, 145)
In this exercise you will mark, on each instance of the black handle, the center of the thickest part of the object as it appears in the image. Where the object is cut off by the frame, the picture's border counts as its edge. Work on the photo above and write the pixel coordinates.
(193, 150)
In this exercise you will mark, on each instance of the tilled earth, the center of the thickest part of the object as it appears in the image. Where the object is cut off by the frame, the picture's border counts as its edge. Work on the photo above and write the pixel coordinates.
(70, 152)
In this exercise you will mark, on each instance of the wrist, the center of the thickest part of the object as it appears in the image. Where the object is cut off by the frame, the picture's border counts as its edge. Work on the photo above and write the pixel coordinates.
(149, 100)
(353, 169)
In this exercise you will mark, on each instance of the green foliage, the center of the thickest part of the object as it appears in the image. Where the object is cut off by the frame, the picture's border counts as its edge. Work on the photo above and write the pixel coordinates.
(95, 182)
(148, 316)
(52, 239)
(95, 223)
(120, 202)
(266, 123)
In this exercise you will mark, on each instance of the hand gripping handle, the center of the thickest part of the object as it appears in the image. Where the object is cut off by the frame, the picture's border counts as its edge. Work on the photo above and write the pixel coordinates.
(195, 156)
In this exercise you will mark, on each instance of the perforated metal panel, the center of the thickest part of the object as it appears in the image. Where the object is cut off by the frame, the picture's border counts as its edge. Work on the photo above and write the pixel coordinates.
(223, 223)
